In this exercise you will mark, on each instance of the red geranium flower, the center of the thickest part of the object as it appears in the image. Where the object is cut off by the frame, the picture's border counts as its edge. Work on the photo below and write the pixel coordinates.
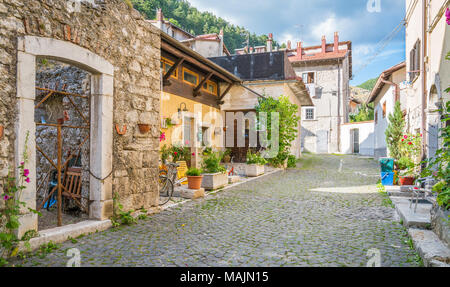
(403, 140)
(193, 154)
(410, 143)
(175, 153)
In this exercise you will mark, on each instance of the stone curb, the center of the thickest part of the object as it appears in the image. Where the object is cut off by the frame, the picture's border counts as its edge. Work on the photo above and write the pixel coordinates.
(63, 233)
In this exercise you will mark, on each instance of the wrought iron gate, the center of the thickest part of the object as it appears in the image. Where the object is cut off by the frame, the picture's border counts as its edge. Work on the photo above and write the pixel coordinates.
(68, 179)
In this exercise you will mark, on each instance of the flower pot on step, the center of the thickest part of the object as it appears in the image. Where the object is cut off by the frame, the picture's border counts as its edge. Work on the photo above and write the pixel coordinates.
(254, 170)
(213, 181)
(406, 180)
(195, 182)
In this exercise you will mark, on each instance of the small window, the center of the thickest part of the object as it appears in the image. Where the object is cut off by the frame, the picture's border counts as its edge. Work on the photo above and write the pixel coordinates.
(309, 114)
(414, 62)
(210, 87)
(190, 77)
(166, 65)
(308, 78)
(384, 110)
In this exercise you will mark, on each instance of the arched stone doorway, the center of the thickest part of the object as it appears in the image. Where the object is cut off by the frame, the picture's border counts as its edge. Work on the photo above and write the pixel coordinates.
(101, 127)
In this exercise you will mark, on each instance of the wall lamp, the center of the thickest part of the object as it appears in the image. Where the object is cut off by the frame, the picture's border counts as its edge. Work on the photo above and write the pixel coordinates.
(182, 110)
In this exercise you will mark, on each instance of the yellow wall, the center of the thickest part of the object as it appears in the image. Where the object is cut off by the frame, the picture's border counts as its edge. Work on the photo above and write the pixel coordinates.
(169, 109)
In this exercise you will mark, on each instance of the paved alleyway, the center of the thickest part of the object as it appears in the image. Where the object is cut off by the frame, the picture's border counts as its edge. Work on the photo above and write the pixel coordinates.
(301, 217)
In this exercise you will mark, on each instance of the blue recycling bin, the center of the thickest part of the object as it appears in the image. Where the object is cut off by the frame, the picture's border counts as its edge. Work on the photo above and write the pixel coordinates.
(387, 164)
(387, 178)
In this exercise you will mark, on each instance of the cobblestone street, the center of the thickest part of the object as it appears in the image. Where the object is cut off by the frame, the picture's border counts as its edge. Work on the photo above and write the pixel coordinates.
(326, 212)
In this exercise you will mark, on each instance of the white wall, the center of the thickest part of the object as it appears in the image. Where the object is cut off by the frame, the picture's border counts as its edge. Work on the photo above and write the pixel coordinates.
(325, 126)
(366, 138)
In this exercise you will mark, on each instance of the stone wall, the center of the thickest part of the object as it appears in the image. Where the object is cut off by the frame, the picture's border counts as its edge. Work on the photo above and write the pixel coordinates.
(120, 35)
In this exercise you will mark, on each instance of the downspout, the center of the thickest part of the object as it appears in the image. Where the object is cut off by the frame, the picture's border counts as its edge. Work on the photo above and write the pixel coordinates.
(339, 108)
(397, 88)
(424, 80)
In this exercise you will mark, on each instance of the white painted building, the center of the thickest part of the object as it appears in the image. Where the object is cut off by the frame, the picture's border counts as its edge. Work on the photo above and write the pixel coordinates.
(386, 92)
(358, 138)
(326, 70)
(427, 43)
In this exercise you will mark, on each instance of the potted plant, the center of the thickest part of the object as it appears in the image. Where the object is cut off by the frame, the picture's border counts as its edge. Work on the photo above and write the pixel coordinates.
(195, 178)
(408, 164)
(255, 164)
(227, 156)
(215, 175)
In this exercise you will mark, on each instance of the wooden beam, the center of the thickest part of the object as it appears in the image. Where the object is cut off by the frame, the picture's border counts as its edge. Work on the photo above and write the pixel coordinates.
(197, 89)
(170, 49)
(171, 70)
(225, 93)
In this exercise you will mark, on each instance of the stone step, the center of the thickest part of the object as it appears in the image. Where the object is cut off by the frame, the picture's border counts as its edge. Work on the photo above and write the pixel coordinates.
(421, 218)
(433, 251)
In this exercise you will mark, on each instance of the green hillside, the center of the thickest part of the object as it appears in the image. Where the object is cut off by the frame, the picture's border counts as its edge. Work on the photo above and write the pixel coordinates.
(182, 14)
(368, 85)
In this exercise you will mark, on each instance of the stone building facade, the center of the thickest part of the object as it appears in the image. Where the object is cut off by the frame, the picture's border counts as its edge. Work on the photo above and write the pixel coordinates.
(121, 51)
(326, 70)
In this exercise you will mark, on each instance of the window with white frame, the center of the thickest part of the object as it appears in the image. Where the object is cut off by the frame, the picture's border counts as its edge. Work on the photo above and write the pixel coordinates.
(308, 78)
(309, 114)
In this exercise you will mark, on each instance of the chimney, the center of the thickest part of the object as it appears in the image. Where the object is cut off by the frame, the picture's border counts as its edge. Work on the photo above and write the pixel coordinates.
(159, 15)
(336, 42)
(299, 50)
(221, 48)
(324, 45)
(269, 42)
(289, 45)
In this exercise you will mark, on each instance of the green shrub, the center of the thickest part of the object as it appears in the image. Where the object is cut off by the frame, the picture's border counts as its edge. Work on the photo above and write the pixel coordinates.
(211, 162)
(255, 158)
(292, 162)
(194, 172)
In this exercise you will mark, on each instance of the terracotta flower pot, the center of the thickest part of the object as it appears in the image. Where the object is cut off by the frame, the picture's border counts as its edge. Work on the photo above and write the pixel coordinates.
(406, 180)
(195, 182)
(144, 128)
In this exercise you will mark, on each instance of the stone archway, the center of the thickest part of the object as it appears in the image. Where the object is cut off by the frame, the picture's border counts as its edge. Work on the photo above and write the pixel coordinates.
(101, 144)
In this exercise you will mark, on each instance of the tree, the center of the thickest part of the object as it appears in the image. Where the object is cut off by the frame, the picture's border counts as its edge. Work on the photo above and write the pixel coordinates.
(366, 113)
(394, 132)
(196, 22)
(288, 124)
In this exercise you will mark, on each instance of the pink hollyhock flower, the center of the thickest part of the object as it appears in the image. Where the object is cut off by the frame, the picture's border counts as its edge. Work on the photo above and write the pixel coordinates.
(28, 180)
(193, 154)
(421, 135)
(6, 197)
(22, 163)
(187, 142)
(26, 172)
(447, 15)
(405, 137)
(162, 137)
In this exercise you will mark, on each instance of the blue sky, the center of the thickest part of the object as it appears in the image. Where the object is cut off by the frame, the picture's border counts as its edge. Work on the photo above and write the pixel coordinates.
(310, 19)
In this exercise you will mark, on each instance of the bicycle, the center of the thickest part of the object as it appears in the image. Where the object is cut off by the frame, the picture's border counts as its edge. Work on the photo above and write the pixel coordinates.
(167, 181)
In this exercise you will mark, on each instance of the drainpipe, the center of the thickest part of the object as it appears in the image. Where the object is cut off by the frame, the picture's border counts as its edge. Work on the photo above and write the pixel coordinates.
(397, 88)
(339, 108)
(424, 79)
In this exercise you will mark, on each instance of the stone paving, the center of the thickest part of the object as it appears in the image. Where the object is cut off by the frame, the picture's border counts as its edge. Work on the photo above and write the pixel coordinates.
(273, 221)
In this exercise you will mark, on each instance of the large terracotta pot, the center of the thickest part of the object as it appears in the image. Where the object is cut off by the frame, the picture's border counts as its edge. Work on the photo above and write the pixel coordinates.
(195, 182)
(406, 180)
